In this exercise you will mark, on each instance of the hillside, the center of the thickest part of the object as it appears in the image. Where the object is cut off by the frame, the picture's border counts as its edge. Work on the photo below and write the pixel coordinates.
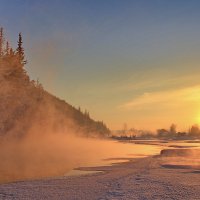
(26, 107)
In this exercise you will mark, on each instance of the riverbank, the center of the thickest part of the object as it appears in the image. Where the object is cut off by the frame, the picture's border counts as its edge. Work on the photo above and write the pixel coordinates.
(155, 177)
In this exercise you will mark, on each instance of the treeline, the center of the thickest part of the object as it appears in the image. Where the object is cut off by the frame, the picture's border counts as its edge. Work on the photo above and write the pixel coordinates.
(192, 133)
(25, 106)
(12, 61)
(171, 133)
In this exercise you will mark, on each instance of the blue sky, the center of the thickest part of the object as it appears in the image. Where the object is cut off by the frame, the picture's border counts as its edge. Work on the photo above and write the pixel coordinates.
(104, 54)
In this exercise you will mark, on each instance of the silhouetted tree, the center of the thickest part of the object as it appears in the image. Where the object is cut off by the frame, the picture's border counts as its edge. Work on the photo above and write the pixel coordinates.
(194, 131)
(162, 133)
(1, 42)
(87, 114)
(20, 51)
(173, 129)
(7, 50)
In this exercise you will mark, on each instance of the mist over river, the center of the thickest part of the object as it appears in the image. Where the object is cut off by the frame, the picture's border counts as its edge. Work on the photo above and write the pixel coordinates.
(59, 155)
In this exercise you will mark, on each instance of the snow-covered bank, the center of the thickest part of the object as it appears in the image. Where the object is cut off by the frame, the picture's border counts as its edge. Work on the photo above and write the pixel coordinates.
(144, 178)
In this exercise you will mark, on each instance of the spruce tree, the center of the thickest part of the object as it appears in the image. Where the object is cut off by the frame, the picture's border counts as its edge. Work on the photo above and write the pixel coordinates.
(20, 51)
(1, 42)
(7, 50)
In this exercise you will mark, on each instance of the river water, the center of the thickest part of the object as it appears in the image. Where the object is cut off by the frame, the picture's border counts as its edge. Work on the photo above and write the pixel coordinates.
(38, 160)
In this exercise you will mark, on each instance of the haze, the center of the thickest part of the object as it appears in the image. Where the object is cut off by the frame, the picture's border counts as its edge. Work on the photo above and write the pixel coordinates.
(124, 61)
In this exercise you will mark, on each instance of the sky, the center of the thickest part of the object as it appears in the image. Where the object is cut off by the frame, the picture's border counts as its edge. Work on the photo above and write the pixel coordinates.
(133, 62)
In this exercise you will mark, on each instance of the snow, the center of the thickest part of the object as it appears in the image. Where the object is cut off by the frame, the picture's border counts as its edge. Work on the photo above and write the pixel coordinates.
(141, 179)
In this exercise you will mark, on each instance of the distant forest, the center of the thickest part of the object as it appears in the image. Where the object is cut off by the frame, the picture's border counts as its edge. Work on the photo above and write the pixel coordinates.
(168, 134)
(25, 106)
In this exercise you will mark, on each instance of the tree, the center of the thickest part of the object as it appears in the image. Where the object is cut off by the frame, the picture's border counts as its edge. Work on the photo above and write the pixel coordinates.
(173, 129)
(12, 61)
(194, 131)
(162, 133)
(20, 51)
(7, 50)
(87, 114)
(1, 42)
(125, 128)
(11, 52)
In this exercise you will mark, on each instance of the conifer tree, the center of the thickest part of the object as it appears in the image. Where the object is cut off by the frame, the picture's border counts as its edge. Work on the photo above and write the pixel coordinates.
(7, 50)
(20, 51)
(1, 41)
(11, 52)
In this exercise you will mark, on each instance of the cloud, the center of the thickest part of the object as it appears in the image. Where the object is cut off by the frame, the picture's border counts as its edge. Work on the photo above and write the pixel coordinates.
(169, 97)
(159, 82)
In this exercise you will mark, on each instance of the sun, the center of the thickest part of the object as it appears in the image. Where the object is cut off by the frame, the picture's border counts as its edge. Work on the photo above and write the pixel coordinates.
(197, 119)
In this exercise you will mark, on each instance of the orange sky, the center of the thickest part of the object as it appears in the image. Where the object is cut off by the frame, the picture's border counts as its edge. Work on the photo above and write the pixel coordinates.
(124, 61)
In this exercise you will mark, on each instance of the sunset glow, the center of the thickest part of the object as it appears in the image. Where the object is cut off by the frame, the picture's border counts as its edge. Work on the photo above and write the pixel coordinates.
(100, 99)
(133, 67)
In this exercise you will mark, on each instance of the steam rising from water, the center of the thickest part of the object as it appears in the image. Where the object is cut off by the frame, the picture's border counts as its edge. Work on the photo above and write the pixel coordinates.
(181, 158)
(40, 155)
